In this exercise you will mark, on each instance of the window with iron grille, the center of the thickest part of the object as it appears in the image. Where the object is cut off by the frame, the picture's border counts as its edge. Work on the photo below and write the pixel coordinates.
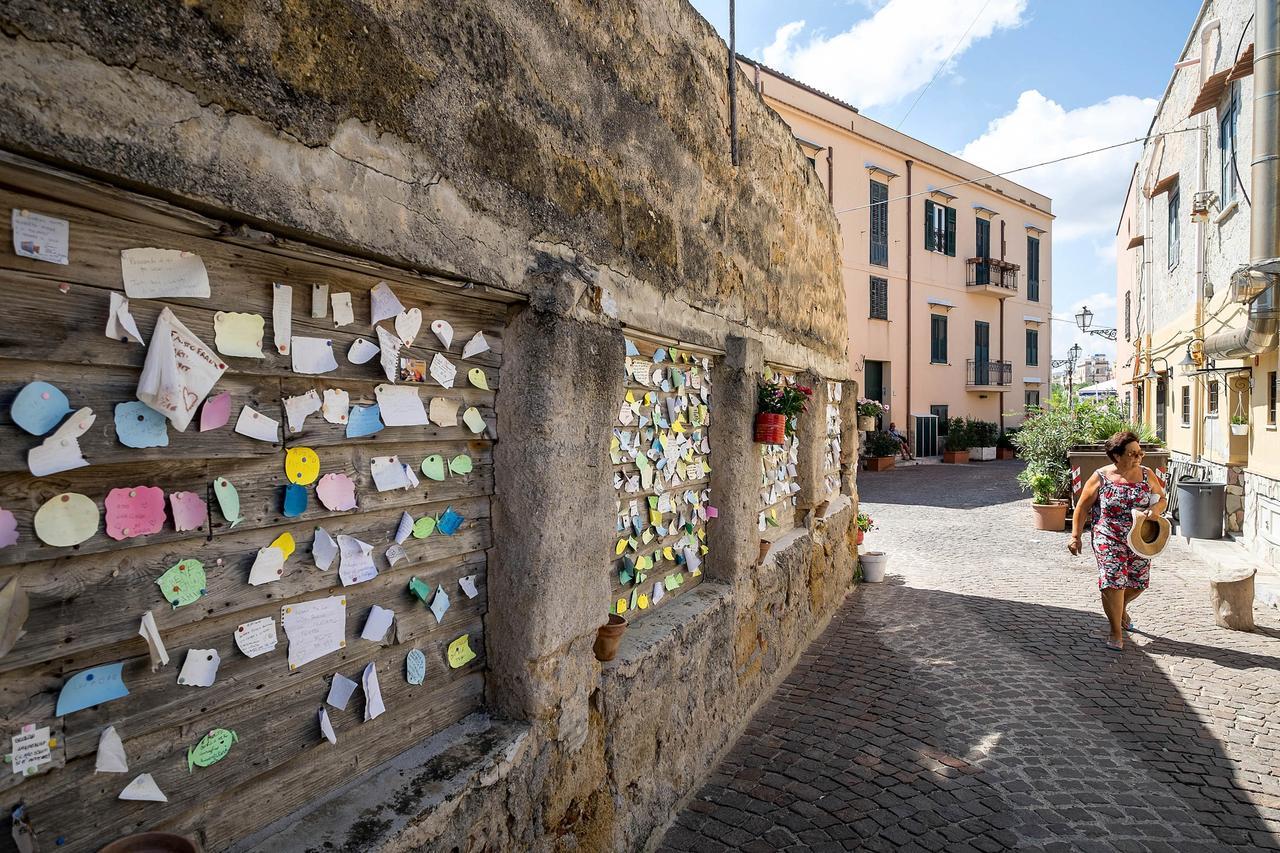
(1271, 398)
(938, 338)
(1186, 406)
(1213, 397)
(1128, 315)
(1033, 347)
(879, 298)
(879, 224)
(939, 228)
(1033, 269)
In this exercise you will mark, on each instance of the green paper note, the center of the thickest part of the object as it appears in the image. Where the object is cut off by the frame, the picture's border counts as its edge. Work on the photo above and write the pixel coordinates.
(183, 583)
(228, 500)
(433, 467)
(424, 527)
(420, 588)
(670, 582)
(211, 749)
(461, 464)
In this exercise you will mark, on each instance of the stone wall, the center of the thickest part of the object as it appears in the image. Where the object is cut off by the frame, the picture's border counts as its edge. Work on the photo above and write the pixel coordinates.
(576, 155)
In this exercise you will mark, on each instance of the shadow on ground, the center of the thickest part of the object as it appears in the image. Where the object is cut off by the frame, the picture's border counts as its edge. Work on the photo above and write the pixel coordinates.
(944, 486)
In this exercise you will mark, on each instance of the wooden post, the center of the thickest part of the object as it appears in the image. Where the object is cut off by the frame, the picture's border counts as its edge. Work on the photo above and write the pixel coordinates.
(1232, 597)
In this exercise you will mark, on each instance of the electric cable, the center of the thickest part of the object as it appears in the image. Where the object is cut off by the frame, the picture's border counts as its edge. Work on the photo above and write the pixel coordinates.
(944, 64)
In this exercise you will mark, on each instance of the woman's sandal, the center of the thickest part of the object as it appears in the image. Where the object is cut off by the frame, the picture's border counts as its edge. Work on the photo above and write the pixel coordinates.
(1115, 647)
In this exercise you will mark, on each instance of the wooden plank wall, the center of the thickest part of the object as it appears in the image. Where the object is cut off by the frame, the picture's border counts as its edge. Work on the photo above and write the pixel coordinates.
(778, 475)
(831, 452)
(86, 601)
(633, 598)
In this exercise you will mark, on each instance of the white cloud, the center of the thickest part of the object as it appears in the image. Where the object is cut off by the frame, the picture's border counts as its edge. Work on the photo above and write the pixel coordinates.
(1087, 192)
(892, 53)
(1103, 306)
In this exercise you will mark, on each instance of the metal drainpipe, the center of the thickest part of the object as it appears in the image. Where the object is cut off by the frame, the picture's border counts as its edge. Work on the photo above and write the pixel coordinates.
(1001, 397)
(831, 175)
(910, 418)
(1262, 331)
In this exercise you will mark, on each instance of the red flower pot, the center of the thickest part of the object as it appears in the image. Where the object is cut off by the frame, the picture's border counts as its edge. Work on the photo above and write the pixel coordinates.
(860, 535)
(771, 428)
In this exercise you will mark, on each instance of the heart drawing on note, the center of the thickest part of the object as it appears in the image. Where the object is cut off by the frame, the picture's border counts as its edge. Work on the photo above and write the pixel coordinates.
(190, 399)
(407, 325)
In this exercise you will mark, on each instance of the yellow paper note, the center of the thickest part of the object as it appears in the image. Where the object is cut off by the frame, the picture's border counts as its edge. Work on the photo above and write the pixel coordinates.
(237, 334)
(67, 519)
(620, 606)
(302, 465)
(460, 652)
(642, 602)
(631, 397)
(668, 553)
(620, 547)
(285, 543)
(477, 378)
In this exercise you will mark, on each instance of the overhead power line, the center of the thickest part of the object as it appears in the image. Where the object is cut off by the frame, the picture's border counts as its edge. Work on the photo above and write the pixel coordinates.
(944, 64)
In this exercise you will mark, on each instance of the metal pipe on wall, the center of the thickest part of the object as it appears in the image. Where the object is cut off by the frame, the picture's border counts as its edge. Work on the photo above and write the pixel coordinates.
(909, 413)
(733, 86)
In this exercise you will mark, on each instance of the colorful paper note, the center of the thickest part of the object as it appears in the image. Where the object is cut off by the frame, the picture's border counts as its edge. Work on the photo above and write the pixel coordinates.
(91, 687)
(31, 750)
(400, 405)
(383, 304)
(475, 346)
(336, 406)
(420, 589)
(139, 425)
(449, 522)
(302, 465)
(257, 637)
(200, 668)
(295, 500)
(415, 667)
(477, 378)
(433, 467)
(377, 624)
(343, 312)
(460, 653)
(66, 519)
(356, 561)
(216, 412)
(143, 788)
(239, 335)
(443, 332)
(134, 511)
(389, 473)
(424, 527)
(407, 324)
(364, 420)
(296, 409)
(340, 691)
(282, 316)
(326, 727)
(461, 464)
(148, 631)
(110, 757)
(443, 371)
(40, 237)
(120, 323)
(336, 492)
(285, 543)
(39, 407)
(254, 424)
(228, 500)
(61, 450)
(189, 511)
(159, 273)
(373, 706)
(474, 420)
(439, 604)
(179, 371)
(323, 549)
(313, 356)
(314, 628)
(211, 749)
(183, 583)
(389, 353)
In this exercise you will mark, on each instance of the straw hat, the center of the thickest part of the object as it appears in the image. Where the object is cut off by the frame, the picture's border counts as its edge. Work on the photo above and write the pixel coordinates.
(1148, 537)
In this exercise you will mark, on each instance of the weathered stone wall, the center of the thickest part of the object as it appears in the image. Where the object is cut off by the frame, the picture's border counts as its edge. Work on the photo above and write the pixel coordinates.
(576, 154)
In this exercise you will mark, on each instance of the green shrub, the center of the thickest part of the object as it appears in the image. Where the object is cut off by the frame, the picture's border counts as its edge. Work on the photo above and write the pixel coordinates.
(1006, 438)
(958, 435)
(1045, 486)
(882, 444)
(981, 433)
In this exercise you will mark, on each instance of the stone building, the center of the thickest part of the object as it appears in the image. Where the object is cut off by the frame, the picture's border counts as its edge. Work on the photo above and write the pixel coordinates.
(555, 177)
(1197, 336)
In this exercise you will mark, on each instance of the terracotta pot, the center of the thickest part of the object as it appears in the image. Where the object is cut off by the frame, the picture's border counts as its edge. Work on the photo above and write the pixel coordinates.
(1005, 453)
(1051, 516)
(771, 428)
(955, 456)
(765, 545)
(878, 463)
(861, 533)
(866, 423)
(152, 842)
(608, 636)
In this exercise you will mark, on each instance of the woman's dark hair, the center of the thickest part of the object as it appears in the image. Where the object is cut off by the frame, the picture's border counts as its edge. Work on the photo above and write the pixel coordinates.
(1116, 444)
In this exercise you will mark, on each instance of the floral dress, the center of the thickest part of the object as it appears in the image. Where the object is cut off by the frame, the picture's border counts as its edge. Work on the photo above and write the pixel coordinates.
(1118, 566)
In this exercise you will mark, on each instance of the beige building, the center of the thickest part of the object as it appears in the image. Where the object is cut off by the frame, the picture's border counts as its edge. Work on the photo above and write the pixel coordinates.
(947, 271)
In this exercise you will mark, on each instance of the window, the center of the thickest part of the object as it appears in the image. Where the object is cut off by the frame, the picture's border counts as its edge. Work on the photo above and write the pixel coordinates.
(941, 413)
(939, 228)
(879, 298)
(1128, 315)
(1033, 269)
(1213, 397)
(938, 338)
(1033, 347)
(1186, 406)
(1271, 398)
(1031, 399)
(1227, 148)
(879, 224)
(1173, 227)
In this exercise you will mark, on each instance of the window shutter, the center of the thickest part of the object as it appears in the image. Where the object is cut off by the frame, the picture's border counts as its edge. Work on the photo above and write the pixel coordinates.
(879, 298)
(951, 231)
(928, 225)
(879, 224)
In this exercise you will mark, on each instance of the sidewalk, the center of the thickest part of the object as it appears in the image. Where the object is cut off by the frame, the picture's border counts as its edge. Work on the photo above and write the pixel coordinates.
(1231, 557)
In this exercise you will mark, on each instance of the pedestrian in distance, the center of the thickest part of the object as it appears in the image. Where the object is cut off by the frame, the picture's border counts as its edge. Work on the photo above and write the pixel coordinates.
(1119, 496)
(903, 444)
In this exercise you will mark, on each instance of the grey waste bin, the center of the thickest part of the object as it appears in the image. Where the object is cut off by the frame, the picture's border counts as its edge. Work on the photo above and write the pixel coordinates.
(1202, 506)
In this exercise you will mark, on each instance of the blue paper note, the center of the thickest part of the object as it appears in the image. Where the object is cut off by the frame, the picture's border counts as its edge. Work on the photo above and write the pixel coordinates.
(39, 407)
(91, 687)
(295, 500)
(449, 522)
(631, 347)
(364, 420)
(415, 664)
(139, 425)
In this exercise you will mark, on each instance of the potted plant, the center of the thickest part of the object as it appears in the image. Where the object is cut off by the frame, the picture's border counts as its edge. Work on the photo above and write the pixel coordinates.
(863, 523)
(1004, 445)
(1087, 427)
(881, 449)
(982, 439)
(777, 406)
(1045, 486)
(1239, 425)
(868, 412)
(873, 565)
(957, 448)
(608, 636)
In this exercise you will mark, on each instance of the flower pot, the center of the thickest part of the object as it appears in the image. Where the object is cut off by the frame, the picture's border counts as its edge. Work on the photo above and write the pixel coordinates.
(765, 545)
(955, 456)
(861, 533)
(771, 428)
(152, 842)
(608, 636)
(1239, 429)
(866, 423)
(1052, 516)
(878, 463)
(873, 565)
(820, 511)
(1005, 453)
(982, 454)
(1088, 458)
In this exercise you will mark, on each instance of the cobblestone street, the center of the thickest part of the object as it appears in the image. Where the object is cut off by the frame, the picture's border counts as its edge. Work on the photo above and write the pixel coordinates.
(968, 703)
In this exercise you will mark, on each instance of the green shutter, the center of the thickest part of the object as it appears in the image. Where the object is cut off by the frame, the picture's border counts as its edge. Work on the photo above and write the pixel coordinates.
(951, 231)
(928, 225)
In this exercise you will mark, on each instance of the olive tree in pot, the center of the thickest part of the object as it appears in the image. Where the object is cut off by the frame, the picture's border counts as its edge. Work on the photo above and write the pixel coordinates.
(881, 450)
(957, 449)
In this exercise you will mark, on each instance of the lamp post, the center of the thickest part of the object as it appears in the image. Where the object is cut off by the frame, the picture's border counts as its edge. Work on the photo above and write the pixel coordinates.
(1084, 321)
(1070, 363)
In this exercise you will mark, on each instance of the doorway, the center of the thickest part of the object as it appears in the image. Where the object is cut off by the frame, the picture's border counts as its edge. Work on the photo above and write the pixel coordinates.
(876, 374)
(983, 251)
(1162, 403)
(981, 353)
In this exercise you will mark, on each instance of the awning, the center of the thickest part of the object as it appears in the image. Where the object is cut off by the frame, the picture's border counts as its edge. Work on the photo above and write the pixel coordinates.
(1164, 185)
(1029, 319)
(879, 170)
(1135, 241)
(1210, 93)
(984, 212)
(942, 195)
(1243, 67)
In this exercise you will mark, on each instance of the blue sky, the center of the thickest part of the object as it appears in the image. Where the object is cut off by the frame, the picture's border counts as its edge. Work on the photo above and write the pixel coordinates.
(1030, 80)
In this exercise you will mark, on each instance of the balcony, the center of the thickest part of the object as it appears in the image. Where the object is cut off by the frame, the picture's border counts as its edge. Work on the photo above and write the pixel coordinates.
(988, 375)
(991, 275)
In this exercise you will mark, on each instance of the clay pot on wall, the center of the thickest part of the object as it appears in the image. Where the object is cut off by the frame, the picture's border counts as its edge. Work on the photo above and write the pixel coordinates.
(955, 456)
(608, 636)
(866, 423)
(878, 463)
(771, 428)
(1051, 516)
(765, 545)
(861, 533)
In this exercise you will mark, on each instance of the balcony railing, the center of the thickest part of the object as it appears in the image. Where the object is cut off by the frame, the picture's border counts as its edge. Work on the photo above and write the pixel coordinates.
(991, 272)
(988, 373)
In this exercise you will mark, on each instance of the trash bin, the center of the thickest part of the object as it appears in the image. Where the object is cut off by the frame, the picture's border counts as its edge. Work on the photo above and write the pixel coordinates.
(1202, 507)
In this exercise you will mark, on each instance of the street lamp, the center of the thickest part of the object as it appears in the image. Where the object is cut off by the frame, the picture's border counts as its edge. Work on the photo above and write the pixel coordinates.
(1084, 320)
(1069, 362)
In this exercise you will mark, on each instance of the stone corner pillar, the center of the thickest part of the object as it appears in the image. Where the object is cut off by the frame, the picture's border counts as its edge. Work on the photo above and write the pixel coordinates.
(733, 539)
(811, 437)
(850, 439)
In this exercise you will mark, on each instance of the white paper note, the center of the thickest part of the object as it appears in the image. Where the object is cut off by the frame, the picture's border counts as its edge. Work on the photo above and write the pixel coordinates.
(389, 351)
(390, 473)
(120, 323)
(343, 313)
(404, 528)
(475, 346)
(157, 273)
(443, 331)
(383, 304)
(200, 669)
(337, 405)
(44, 238)
(443, 412)
(361, 350)
(268, 566)
(257, 425)
(30, 749)
(319, 301)
(314, 628)
(373, 706)
(257, 637)
(111, 757)
(439, 604)
(313, 356)
(326, 727)
(60, 451)
(443, 371)
(155, 644)
(179, 371)
(400, 405)
(376, 626)
(340, 691)
(282, 316)
(356, 562)
(395, 554)
(323, 549)
(297, 408)
(468, 584)
(143, 787)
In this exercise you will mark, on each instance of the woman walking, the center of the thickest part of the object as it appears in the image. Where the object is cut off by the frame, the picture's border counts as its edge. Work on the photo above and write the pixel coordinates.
(1110, 498)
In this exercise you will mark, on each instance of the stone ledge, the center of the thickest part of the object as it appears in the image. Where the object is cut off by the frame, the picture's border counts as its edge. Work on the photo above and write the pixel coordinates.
(667, 627)
(423, 784)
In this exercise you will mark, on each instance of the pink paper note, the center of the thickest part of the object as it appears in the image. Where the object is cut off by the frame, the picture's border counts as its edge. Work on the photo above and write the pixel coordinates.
(216, 412)
(135, 511)
(189, 511)
(336, 492)
(712, 512)
(8, 528)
